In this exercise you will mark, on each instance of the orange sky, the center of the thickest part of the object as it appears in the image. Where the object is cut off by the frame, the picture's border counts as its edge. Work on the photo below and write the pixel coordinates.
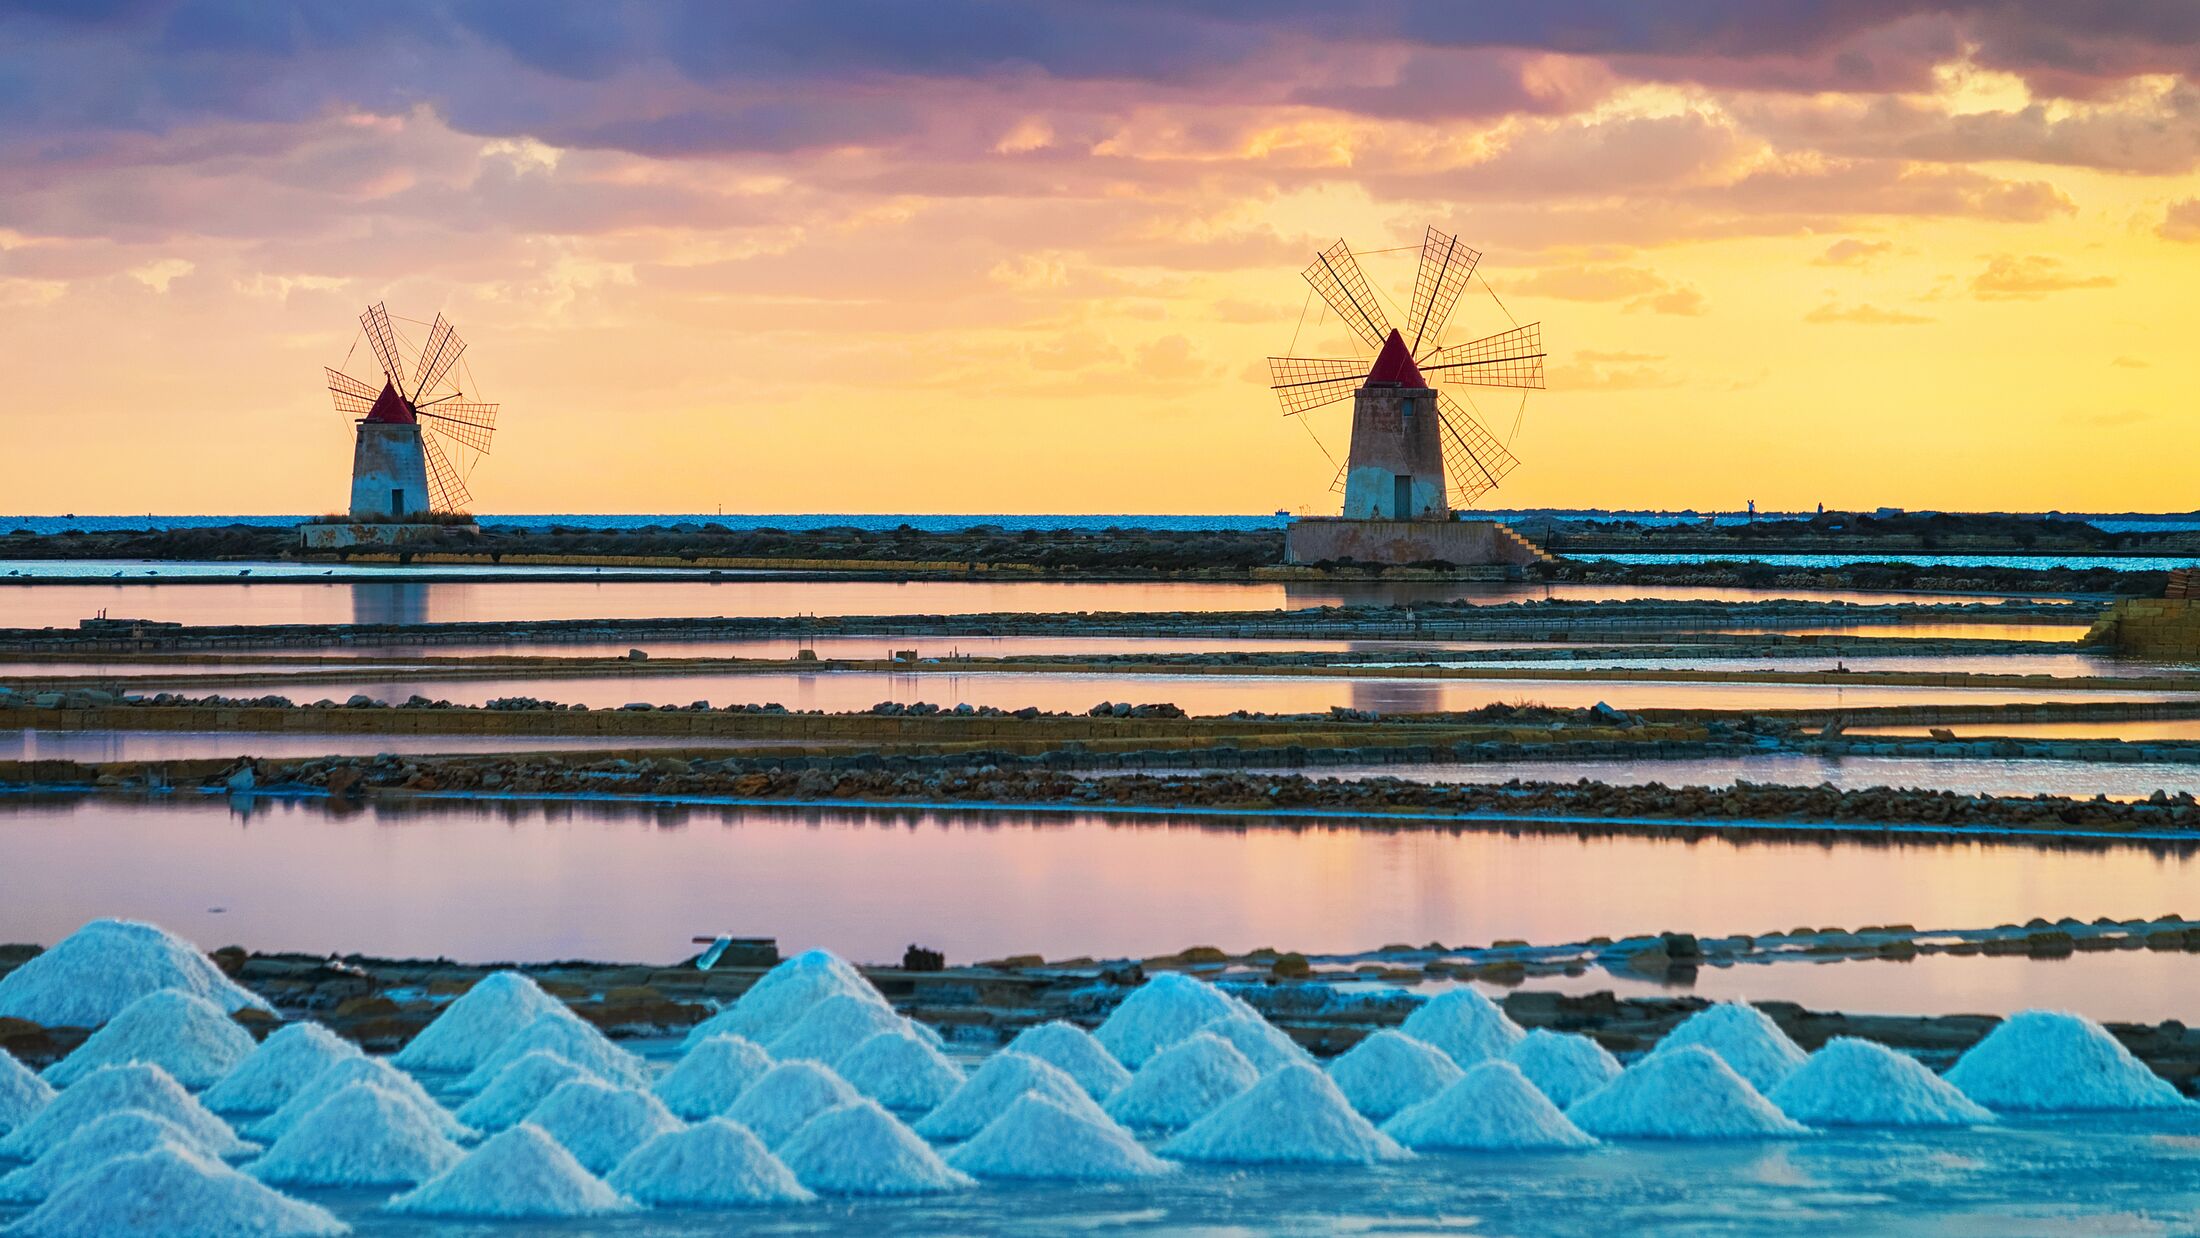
(1920, 254)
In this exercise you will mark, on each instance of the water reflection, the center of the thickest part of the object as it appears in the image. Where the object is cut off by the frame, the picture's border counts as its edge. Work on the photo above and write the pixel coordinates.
(492, 880)
(392, 602)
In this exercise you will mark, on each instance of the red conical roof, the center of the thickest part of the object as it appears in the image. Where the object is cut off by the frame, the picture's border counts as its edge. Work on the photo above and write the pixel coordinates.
(1394, 364)
(391, 407)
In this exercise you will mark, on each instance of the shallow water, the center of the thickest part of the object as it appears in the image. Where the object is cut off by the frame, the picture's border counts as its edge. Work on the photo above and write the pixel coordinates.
(2067, 665)
(839, 691)
(2137, 730)
(178, 745)
(2079, 563)
(486, 880)
(1935, 631)
(62, 605)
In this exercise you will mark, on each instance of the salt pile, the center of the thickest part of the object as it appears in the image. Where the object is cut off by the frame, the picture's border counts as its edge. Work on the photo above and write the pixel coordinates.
(113, 1088)
(516, 1175)
(287, 1060)
(1040, 1138)
(90, 975)
(126, 1132)
(517, 1089)
(711, 1077)
(834, 1026)
(2045, 1061)
(1742, 1034)
(191, 1038)
(860, 1149)
(900, 1070)
(1160, 1012)
(783, 995)
(712, 1164)
(1684, 1093)
(569, 1036)
(22, 1093)
(342, 1075)
(1075, 1052)
(170, 1193)
(1182, 1084)
(789, 1095)
(469, 1029)
(1492, 1108)
(1566, 1067)
(1389, 1070)
(600, 1123)
(1295, 1116)
(1263, 1043)
(1851, 1082)
(1467, 1026)
(993, 1087)
(362, 1136)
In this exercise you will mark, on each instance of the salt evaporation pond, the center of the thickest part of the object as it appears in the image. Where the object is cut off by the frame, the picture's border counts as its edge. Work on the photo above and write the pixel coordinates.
(484, 880)
(843, 691)
(181, 745)
(506, 601)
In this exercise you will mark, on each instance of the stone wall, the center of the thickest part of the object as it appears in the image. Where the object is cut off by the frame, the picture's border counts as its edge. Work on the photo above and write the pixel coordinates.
(371, 534)
(1465, 543)
(2167, 628)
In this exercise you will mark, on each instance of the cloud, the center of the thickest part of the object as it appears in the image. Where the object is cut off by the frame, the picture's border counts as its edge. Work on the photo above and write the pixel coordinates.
(2181, 222)
(2028, 277)
(1580, 283)
(2130, 363)
(1851, 252)
(1863, 315)
(1686, 302)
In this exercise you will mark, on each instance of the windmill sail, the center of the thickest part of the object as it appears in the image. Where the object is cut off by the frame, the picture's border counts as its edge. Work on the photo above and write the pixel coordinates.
(351, 396)
(1474, 461)
(1508, 359)
(437, 358)
(469, 425)
(383, 340)
(1304, 383)
(1336, 275)
(1445, 268)
(444, 485)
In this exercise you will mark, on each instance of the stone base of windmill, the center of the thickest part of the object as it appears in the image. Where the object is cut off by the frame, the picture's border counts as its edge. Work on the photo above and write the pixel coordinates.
(1473, 544)
(371, 535)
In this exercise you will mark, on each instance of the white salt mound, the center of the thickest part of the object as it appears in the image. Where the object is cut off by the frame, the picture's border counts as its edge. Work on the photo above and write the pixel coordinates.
(517, 1089)
(1492, 1108)
(1684, 1093)
(1182, 1084)
(1039, 1137)
(1742, 1034)
(171, 1193)
(470, 1028)
(1295, 1116)
(860, 1149)
(900, 1070)
(343, 1074)
(993, 1087)
(361, 1136)
(1160, 1012)
(789, 1095)
(287, 1060)
(1467, 1026)
(191, 1038)
(600, 1123)
(90, 975)
(711, 1077)
(1076, 1053)
(111, 1089)
(712, 1164)
(2046, 1061)
(1263, 1043)
(832, 1027)
(783, 995)
(22, 1093)
(1851, 1082)
(1389, 1070)
(569, 1036)
(1566, 1067)
(519, 1174)
(126, 1132)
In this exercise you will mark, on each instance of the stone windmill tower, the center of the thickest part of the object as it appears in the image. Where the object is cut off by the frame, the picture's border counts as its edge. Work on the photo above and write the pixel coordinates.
(1416, 457)
(409, 411)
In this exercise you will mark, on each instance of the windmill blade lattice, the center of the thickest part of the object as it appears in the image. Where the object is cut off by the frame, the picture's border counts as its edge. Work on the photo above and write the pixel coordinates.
(437, 357)
(1474, 461)
(351, 395)
(1336, 276)
(383, 340)
(1305, 383)
(467, 424)
(1445, 268)
(1508, 359)
(449, 491)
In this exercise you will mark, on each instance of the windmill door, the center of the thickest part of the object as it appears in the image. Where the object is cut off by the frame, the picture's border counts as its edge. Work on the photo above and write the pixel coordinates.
(1401, 496)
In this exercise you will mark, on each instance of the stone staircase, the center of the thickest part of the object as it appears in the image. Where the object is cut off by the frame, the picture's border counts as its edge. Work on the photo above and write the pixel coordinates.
(1533, 553)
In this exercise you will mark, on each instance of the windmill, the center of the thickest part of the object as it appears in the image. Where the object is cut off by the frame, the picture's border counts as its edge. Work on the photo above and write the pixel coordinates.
(410, 409)
(1415, 454)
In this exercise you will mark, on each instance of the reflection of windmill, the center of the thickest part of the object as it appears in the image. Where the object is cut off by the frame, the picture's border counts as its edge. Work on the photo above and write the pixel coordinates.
(1409, 439)
(397, 471)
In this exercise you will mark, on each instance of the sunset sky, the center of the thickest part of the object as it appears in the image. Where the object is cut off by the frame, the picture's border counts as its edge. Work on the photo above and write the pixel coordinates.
(1028, 257)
